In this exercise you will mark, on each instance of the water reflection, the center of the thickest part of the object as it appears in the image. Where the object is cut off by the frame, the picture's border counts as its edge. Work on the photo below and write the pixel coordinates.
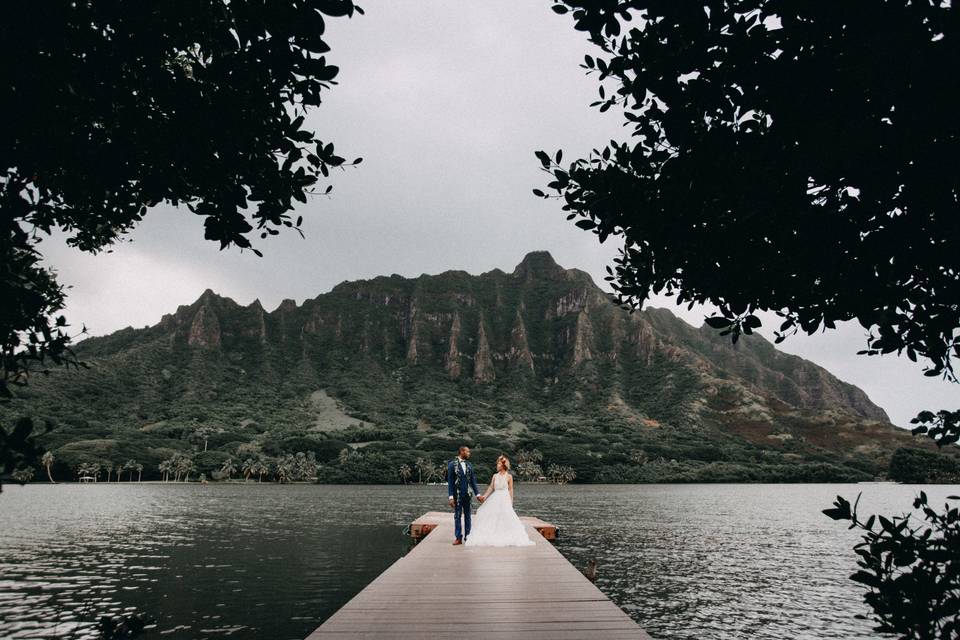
(214, 561)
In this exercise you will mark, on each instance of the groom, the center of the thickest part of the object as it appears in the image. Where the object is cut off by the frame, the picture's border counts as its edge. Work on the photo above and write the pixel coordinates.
(460, 480)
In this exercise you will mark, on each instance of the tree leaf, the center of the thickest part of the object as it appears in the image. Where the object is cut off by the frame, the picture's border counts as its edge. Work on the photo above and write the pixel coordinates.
(717, 322)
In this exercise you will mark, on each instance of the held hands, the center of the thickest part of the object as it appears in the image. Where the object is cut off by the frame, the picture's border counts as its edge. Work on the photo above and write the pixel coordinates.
(450, 501)
(480, 499)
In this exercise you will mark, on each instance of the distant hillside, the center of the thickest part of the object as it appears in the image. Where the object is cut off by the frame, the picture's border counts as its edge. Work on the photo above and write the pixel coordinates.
(395, 369)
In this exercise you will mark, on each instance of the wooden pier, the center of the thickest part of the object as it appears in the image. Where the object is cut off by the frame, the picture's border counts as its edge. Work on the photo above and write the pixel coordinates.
(457, 592)
(429, 521)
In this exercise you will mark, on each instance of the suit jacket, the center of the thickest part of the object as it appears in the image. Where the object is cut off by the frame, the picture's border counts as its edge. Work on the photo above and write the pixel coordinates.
(458, 484)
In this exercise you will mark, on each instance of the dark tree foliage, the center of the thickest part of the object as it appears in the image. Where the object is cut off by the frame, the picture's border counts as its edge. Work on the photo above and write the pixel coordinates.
(790, 156)
(111, 107)
(18, 448)
(910, 568)
(918, 466)
(942, 426)
(787, 156)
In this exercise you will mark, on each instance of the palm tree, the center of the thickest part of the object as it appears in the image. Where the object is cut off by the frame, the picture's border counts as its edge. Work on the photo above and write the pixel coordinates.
(108, 467)
(532, 456)
(23, 476)
(94, 470)
(139, 469)
(164, 468)
(88, 469)
(405, 472)
(178, 465)
(228, 468)
(528, 463)
(185, 466)
(47, 461)
(304, 465)
(560, 474)
(529, 470)
(553, 473)
(262, 468)
(295, 465)
(130, 465)
(248, 468)
(285, 468)
(424, 467)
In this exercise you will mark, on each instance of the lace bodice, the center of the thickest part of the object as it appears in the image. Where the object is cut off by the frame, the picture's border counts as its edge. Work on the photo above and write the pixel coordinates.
(499, 481)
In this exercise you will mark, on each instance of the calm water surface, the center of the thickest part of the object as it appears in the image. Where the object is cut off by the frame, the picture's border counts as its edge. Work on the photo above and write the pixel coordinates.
(267, 561)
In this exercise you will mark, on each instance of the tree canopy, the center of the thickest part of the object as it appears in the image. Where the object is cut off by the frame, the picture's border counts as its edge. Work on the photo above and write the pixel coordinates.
(112, 107)
(783, 155)
(794, 157)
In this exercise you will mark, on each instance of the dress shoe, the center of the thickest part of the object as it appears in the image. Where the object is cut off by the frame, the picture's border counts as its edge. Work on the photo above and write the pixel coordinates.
(458, 541)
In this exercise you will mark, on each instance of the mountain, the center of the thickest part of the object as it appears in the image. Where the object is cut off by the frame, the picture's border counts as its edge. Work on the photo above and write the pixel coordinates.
(379, 373)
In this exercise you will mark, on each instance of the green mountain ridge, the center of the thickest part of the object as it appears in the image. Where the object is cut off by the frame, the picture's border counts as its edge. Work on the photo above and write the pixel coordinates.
(379, 373)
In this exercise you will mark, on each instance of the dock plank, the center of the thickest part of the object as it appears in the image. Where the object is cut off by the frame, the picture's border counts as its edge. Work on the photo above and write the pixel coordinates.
(428, 521)
(443, 591)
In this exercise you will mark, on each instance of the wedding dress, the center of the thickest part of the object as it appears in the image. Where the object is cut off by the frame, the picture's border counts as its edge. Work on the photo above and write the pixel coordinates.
(496, 523)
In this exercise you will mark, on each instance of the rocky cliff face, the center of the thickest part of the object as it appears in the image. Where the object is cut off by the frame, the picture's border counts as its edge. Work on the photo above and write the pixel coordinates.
(540, 349)
(542, 321)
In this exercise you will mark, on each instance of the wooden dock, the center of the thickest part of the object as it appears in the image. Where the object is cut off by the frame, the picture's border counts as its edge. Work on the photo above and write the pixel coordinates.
(457, 592)
(429, 521)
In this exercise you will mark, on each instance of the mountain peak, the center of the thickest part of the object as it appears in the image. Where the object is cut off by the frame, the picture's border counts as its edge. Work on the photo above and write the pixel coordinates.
(538, 263)
(207, 295)
(287, 304)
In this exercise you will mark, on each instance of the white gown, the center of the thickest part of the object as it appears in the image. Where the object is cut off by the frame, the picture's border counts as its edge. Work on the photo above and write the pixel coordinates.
(496, 523)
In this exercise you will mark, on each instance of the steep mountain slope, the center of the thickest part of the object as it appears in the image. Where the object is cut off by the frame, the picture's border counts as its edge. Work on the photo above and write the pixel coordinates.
(395, 369)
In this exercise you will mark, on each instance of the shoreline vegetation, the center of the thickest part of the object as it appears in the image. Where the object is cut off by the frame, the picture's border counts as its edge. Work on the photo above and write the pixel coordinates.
(907, 466)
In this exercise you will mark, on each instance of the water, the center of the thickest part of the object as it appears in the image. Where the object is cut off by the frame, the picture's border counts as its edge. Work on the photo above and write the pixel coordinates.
(268, 561)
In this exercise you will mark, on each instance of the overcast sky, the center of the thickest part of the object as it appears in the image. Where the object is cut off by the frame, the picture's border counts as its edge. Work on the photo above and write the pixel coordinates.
(446, 102)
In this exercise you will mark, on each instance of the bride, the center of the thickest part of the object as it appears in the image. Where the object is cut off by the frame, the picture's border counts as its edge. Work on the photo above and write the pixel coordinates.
(496, 523)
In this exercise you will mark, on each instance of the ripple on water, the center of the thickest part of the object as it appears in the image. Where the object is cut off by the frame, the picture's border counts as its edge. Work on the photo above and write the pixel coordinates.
(685, 561)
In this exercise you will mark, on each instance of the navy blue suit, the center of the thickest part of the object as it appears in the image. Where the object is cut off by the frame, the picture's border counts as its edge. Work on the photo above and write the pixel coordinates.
(458, 488)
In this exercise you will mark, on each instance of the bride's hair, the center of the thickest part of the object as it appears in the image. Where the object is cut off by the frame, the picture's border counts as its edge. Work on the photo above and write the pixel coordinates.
(505, 461)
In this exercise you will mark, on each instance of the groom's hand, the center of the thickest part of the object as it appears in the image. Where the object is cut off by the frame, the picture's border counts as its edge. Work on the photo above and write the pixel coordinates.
(480, 499)
(450, 501)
